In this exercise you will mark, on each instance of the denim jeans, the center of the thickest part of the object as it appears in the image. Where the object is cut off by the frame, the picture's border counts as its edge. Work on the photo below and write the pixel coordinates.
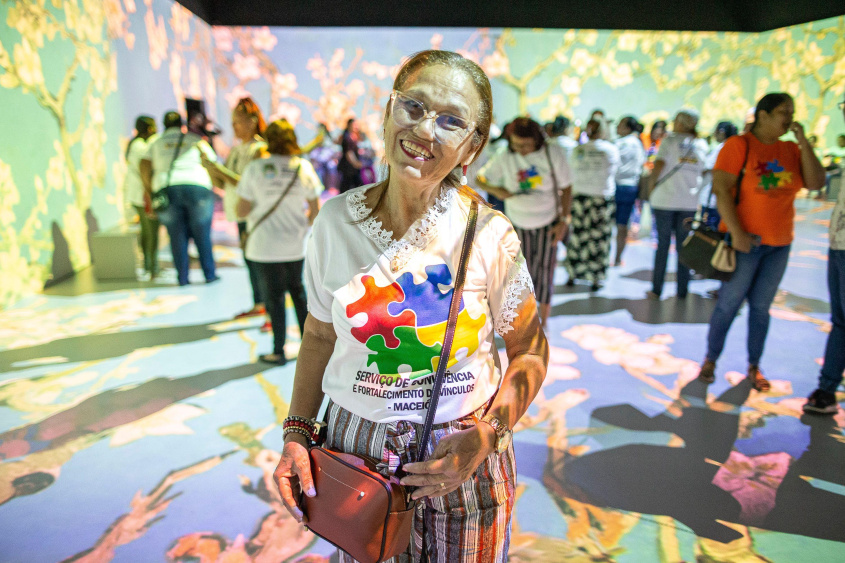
(757, 276)
(189, 216)
(834, 354)
(278, 278)
(148, 239)
(670, 222)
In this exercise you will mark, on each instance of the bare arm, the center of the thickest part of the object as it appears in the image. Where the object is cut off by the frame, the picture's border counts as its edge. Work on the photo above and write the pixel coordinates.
(723, 182)
(318, 343)
(496, 191)
(146, 170)
(313, 210)
(811, 169)
(243, 207)
(353, 158)
(659, 165)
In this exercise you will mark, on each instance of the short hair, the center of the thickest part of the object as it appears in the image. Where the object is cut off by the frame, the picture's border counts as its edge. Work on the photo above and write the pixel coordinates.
(172, 119)
(527, 128)
(688, 116)
(560, 125)
(728, 128)
(281, 138)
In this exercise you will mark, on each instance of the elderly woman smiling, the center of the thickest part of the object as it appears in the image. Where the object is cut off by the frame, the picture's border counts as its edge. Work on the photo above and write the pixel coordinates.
(379, 270)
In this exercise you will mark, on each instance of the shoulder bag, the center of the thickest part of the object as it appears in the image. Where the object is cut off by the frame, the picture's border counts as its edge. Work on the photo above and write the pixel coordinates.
(706, 251)
(160, 200)
(364, 513)
(246, 235)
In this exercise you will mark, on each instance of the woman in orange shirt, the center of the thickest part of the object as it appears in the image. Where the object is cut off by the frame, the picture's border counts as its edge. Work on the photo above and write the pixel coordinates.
(761, 224)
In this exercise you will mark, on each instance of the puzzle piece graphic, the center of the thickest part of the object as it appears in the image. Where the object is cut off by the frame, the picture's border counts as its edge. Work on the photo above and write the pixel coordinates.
(761, 168)
(374, 304)
(774, 166)
(466, 335)
(426, 299)
(529, 179)
(784, 179)
(769, 181)
(410, 352)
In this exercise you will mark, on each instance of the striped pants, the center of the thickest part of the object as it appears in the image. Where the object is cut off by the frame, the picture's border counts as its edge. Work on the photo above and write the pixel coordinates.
(469, 525)
(540, 251)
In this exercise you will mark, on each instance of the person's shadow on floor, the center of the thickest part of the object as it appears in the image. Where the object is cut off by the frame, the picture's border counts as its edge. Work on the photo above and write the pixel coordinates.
(664, 480)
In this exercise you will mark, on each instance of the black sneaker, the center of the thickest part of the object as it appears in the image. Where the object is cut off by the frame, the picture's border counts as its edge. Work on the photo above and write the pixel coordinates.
(821, 402)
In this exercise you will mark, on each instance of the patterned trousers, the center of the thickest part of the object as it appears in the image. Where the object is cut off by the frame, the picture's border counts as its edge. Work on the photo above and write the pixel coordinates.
(588, 249)
(540, 251)
(469, 525)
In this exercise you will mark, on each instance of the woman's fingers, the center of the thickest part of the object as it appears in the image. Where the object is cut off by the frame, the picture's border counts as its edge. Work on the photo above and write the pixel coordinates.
(294, 465)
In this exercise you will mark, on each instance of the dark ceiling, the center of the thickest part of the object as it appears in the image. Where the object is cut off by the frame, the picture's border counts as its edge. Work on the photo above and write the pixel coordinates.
(694, 15)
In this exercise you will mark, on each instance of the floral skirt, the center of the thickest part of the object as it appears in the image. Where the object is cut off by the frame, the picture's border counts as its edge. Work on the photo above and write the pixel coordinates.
(588, 248)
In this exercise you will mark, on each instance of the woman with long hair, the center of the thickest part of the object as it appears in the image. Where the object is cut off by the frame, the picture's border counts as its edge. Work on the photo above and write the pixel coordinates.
(248, 126)
(761, 225)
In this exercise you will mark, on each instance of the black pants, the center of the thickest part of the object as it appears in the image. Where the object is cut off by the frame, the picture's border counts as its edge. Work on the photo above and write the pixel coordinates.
(278, 278)
(252, 269)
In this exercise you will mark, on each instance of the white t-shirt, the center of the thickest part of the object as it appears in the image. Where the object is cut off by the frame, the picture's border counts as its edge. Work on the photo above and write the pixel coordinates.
(240, 155)
(188, 169)
(281, 236)
(706, 189)
(529, 177)
(679, 191)
(567, 143)
(132, 184)
(594, 165)
(631, 160)
(390, 324)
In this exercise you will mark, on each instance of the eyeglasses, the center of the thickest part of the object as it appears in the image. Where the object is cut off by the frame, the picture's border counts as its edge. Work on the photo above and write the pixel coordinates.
(409, 112)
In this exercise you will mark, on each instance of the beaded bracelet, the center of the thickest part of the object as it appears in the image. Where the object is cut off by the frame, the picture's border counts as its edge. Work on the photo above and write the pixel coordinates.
(308, 427)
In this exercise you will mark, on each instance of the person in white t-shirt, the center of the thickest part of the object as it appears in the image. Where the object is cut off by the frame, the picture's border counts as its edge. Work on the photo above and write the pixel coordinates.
(673, 189)
(173, 164)
(532, 178)
(631, 161)
(279, 198)
(145, 129)
(379, 271)
(594, 165)
(248, 125)
(561, 127)
(709, 213)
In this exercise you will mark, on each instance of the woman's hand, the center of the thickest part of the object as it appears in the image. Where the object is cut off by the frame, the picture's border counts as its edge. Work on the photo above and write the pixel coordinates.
(741, 242)
(798, 130)
(560, 231)
(295, 464)
(453, 462)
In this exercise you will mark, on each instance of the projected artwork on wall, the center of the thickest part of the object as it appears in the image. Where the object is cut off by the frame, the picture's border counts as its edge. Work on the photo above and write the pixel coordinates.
(78, 72)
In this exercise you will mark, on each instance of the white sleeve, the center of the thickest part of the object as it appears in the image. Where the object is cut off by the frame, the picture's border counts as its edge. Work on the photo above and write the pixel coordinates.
(246, 186)
(310, 180)
(319, 299)
(508, 280)
(493, 171)
(205, 148)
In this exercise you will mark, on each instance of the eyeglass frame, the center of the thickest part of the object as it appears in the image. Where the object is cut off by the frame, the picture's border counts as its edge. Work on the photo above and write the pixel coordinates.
(433, 115)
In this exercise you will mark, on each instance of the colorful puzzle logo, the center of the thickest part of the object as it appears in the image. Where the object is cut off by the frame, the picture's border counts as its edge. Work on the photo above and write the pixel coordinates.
(772, 175)
(529, 179)
(406, 323)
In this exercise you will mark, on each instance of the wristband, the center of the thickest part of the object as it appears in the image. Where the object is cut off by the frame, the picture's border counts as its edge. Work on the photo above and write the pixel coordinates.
(308, 427)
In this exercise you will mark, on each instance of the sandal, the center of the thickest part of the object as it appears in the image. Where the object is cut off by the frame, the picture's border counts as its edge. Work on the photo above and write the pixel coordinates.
(707, 374)
(758, 380)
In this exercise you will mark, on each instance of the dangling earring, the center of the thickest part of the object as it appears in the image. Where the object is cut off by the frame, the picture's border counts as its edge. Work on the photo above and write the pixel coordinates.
(464, 175)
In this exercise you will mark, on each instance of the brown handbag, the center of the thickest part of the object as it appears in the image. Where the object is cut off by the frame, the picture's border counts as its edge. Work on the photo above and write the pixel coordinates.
(368, 515)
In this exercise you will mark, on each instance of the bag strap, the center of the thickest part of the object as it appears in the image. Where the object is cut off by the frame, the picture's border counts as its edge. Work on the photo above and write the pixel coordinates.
(446, 350)
(559, 207)
(275, 205)
(677, 166)
(175, 156)
(742, 171)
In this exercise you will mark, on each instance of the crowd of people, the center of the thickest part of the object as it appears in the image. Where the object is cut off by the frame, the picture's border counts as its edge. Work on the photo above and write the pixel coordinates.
(377, 240)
